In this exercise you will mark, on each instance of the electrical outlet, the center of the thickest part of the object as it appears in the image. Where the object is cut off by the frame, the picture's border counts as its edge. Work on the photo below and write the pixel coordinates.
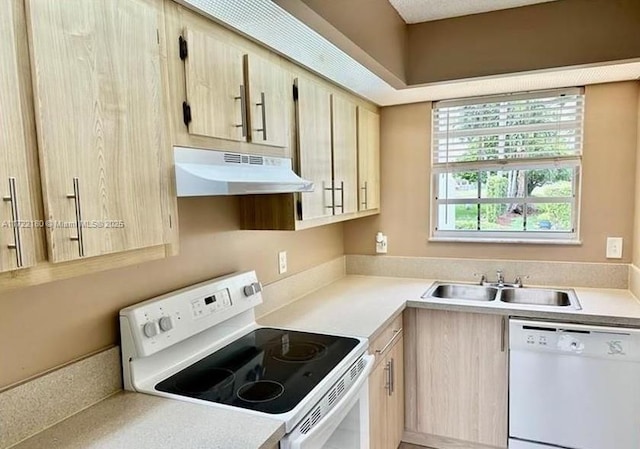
(282, 262)
(381, 243)
(614, 247)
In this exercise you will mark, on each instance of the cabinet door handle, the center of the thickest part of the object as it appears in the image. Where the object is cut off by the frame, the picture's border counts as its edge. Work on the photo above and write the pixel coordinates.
(391, 340)
(341, 189)
(263, 106)
(243, 111)
(387, 383)
(392, 377)
(503, 331)
(333, 200)
(15, 217)
(76, 198)
(365, 189)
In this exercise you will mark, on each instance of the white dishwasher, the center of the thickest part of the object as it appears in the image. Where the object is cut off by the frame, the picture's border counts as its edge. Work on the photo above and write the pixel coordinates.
(573, 386)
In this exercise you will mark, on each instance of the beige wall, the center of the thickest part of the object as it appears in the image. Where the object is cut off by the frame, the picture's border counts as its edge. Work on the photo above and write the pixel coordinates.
(51, 324)
(636, 222)
(370, 31)
(607, 191)
(553, 34)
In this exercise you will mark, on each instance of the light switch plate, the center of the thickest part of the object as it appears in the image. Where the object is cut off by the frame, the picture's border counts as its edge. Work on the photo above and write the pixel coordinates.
(614, 247)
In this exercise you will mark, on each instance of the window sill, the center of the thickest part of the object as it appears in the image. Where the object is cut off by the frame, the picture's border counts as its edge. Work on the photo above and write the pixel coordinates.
(505, 240)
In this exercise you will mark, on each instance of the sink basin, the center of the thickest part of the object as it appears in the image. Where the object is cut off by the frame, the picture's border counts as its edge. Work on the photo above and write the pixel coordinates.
(527, 296)
(540, 297)
(462, 291)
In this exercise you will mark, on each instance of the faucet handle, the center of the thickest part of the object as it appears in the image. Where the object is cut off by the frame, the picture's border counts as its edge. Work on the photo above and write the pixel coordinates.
(500, 275)
(483, 277)
(519, 278)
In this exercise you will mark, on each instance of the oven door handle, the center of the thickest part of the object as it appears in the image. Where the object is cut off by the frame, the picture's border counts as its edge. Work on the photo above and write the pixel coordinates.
(335, 416)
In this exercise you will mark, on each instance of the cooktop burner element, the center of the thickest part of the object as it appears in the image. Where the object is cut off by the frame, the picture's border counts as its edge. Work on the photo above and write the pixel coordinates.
(260, 391)
(207, 380)
(299, 352)
(272, 370)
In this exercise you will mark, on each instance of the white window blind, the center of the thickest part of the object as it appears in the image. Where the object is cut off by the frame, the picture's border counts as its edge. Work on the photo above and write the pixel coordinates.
(508, 165)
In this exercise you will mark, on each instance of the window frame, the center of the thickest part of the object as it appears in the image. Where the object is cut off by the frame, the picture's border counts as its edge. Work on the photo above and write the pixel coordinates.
(571, 237)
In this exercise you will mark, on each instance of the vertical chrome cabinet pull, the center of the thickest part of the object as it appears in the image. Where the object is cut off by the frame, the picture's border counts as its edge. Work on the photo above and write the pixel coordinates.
(333, 199)
(387, 382)
(15, 217)
(503, 331)
(392, 377)
(341, 189)
(263, 106)
(76, 197)
(365, 190)
(243, 111)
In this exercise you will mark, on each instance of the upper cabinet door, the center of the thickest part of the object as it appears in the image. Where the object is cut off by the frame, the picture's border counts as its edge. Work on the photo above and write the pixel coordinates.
(216, 91)
(345, 155)
(17, 246)
(368, 159)
(314, 147)
(101, 125)
(269, 100)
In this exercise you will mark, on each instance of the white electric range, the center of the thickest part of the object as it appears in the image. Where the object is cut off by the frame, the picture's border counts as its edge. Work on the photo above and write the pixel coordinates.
(202, 344)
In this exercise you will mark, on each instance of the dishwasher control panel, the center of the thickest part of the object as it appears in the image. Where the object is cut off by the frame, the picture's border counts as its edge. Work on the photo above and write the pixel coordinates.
(568, 338)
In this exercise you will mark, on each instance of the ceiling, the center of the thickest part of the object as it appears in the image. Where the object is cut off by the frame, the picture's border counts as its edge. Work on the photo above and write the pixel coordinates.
(416, 11)
(296, 41)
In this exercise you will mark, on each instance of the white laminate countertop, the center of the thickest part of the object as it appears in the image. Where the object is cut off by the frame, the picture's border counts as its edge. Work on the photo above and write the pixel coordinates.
(355, 305)
(141, 421)
(362, 305)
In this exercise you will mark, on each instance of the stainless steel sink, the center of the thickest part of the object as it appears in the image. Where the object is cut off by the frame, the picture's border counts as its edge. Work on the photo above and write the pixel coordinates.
(540, 297)
(469, 292)
(532, 296)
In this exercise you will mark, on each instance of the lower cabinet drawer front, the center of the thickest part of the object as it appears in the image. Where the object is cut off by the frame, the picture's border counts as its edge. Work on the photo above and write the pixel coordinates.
(381, 344)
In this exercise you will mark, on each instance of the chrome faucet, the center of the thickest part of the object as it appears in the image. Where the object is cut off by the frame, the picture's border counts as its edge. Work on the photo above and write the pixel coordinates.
(500, 277)
(499, 282)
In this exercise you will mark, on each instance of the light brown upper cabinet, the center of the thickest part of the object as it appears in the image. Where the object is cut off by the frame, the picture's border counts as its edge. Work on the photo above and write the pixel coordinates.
(101, 125)
(345, 155)
(368, 159)
(314, 148)
(17, 144)
(232, 94)
(216, 96)
(269, 94)
(326, 135)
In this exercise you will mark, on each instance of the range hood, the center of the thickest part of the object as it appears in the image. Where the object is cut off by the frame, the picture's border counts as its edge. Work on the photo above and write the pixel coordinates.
(209, 172)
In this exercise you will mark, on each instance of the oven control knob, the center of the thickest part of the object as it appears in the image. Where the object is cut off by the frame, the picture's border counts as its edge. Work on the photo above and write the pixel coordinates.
(252, 289)
(166, 324)
(150, 329)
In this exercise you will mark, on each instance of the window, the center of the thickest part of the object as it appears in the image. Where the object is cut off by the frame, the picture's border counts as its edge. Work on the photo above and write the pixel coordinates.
(508, 167)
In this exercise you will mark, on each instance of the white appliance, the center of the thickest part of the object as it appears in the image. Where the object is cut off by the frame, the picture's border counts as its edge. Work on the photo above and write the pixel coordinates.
(209, 172)
(573, 386)
(201, 344)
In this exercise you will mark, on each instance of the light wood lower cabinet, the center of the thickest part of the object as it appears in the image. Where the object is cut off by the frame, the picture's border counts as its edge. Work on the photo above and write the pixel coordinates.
(386, 392)
(457, 379)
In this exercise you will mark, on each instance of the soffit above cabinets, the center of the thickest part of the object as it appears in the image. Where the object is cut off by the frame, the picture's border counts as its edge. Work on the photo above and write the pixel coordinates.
(269, 24)
(417, 11)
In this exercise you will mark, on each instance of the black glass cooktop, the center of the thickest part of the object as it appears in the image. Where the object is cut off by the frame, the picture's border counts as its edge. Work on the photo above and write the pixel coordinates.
(268, 370)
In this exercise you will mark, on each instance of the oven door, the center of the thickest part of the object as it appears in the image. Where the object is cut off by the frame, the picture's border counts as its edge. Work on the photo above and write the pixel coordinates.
(346, 426)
